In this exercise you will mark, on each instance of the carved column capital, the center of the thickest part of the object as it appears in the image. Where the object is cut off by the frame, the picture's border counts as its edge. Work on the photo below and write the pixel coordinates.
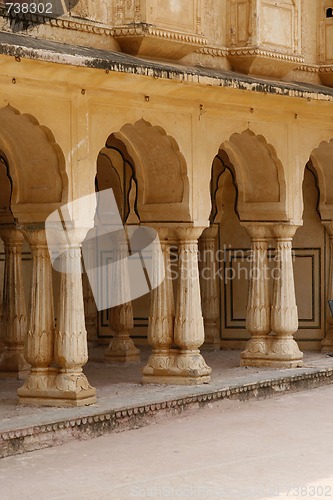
(284, 231)
(189, 234)
(258, 231)
(210, 232)
(10, 235)
(35, 237)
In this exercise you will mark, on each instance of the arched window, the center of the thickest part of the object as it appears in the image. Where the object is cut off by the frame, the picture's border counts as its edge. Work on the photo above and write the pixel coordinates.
(329, 12)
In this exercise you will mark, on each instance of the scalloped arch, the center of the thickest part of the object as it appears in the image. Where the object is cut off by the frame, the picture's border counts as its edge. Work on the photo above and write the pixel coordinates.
(161, 171)
(36, 165)
(259, 176)
(322, 164)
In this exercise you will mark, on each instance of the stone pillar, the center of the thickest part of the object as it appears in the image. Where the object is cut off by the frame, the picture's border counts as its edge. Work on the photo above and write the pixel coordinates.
(258, 312)
(208, 287)
(121, 348)
(90, 310)
(1, 329)
(161, 317)
(284, 351)
(327, 343)
(39, 342)
(189, 367)
(14, 317)
(71, 352)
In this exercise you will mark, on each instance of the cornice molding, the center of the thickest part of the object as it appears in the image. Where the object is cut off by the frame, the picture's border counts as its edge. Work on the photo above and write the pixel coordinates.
(257, 51)
(144, 29)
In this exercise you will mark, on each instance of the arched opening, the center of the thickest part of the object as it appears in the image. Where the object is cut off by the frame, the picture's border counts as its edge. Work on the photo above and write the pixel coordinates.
(33, 183)
(329, 12)
(116, 171)
(233, 245)
(247, 186)
(148, 175)
(320, 165)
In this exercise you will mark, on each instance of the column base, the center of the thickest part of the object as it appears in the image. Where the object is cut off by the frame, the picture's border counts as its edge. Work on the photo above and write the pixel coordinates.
(47, 387)
(13, 364)
(327, 343)
(158, 367)
(51, 398)
(175, 380)
(272, 352)
(178, 368)
(122, 351)
(256, 351)
(272, 363)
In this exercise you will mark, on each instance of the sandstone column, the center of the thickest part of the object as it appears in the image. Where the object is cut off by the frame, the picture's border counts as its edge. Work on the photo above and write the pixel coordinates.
(14, 317)
(258, 312)
(1, 329)
(190, 367)
(162, 314)
(39, 342)
(208, 287)
(90, 310)
(327, 343)
(284, 351)
(121, 348)
(71, 352)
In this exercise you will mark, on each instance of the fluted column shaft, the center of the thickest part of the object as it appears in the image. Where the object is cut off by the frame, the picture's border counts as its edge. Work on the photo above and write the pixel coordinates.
(208, 286)
(189, 328)
(162, 314)
(121, 348)
(258, 312)
(39, 344)
(14, 317)
(327, 343)
(71, 352)
(284, 316)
